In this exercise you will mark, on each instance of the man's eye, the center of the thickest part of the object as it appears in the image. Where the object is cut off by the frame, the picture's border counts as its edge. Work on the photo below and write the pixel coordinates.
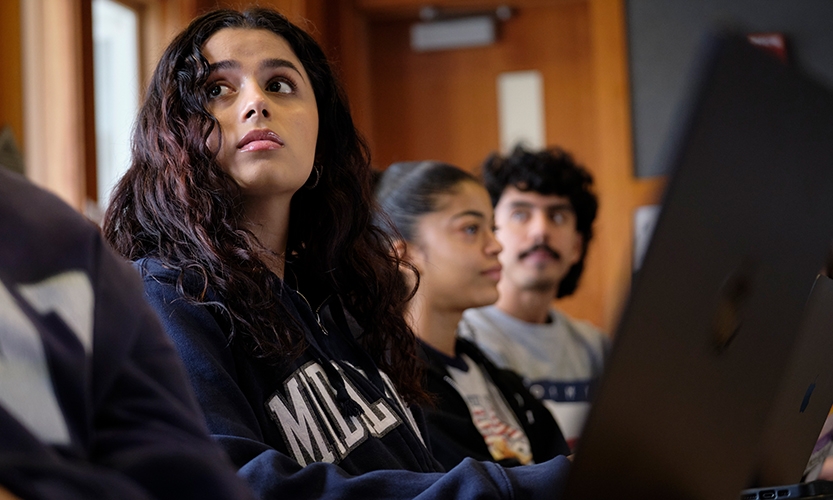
(519, 216)
(561, 217)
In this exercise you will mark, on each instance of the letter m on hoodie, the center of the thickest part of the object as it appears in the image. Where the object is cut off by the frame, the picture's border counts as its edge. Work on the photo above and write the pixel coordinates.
(300, 428)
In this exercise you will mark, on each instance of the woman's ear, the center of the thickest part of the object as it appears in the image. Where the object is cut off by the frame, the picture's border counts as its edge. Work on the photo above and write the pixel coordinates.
(406, 264)
(400, 249)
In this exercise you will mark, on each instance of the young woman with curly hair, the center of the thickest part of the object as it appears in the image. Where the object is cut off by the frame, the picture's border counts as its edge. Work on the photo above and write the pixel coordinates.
(248, 209)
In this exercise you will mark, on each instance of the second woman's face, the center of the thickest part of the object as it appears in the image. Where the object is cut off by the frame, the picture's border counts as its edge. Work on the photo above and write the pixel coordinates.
(262, 97)
(455, 250)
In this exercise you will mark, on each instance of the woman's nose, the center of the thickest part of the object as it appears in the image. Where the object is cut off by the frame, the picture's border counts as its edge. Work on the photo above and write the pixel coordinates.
(256, 104)
(254, 111)
(493, 246)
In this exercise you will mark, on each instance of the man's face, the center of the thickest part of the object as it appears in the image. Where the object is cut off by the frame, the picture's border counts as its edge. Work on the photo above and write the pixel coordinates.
(539, 239)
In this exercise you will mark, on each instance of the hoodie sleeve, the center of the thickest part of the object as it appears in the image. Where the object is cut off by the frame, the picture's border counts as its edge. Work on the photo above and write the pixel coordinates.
(468, 480)
(31, 469)
(94, 402)
(232, 421)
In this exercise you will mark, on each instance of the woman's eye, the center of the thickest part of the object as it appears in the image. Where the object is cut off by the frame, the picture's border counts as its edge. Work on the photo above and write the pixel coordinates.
(217, 90)
(279, 86)
(472, 229)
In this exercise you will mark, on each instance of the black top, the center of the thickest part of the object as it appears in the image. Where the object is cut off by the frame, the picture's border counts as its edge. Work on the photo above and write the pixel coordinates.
(453, 435)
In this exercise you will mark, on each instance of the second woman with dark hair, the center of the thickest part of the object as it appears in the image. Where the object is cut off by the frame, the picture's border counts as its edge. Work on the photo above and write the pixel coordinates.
(441, 219)
(247, 207)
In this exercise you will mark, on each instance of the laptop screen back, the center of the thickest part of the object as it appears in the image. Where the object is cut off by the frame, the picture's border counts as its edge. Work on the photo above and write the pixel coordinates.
(704, 340)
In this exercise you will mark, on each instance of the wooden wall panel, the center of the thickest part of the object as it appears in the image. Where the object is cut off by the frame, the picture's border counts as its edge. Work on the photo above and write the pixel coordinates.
(443, 104)
(87, 102)
(611, 255)
(11, 84)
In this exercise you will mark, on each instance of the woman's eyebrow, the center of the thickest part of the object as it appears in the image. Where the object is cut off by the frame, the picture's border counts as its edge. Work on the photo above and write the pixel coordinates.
(472, 213)
(266, 64)
(225, 64)
(280, 63)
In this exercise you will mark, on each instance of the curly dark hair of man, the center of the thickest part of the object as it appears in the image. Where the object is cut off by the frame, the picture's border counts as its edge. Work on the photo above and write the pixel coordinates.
(177, 204)
(549, 172)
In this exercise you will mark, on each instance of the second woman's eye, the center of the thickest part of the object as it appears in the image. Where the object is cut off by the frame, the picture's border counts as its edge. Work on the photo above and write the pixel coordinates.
(279, 86)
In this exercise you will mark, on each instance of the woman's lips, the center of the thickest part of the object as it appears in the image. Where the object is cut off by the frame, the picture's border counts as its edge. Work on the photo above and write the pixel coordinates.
(493, 272)
(260, 140)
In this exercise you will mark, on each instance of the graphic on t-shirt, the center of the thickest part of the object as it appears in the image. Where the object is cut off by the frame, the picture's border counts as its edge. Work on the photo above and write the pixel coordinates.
(491, 414)
(569, 403)
(561, 391)
(503, 440)
(561, 361)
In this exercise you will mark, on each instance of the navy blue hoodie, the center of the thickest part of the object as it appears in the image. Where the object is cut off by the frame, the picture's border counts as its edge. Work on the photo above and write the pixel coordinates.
(289, 430)
(94, 401)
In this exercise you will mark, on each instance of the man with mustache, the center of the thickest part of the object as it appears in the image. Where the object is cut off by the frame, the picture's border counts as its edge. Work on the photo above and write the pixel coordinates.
(544, 212)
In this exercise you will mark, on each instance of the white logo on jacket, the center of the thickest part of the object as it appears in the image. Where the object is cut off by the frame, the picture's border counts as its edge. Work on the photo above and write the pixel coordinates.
(313, 427)
(26, 389)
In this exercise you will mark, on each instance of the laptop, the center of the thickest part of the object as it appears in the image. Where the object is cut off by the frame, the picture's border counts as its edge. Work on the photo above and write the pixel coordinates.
(705, 339)
(801, 406)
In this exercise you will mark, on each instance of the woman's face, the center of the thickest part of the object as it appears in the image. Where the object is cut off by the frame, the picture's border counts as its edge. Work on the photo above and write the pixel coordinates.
(260, 94)
(455, 250)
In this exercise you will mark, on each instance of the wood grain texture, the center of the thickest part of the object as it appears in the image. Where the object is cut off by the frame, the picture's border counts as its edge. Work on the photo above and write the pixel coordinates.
(11, 85)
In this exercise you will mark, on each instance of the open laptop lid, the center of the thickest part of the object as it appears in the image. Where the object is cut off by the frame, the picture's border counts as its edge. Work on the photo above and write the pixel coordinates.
(706, 335)
(804, 398)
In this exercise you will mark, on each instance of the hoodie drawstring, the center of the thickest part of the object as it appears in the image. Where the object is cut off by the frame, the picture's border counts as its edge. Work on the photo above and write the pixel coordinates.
(346, 404)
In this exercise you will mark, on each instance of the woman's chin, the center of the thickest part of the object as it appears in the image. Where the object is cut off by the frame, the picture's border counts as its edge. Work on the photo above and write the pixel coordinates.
(485, 300)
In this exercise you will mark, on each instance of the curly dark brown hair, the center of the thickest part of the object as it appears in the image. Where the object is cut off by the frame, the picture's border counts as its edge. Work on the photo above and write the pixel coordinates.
(176, 204)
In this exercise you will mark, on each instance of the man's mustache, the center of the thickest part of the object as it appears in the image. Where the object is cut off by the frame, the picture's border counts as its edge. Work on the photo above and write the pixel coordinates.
(541, 246)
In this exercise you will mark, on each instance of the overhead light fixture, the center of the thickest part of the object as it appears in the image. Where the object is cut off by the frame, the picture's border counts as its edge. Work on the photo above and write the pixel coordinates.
(441, 30)
(456, 33)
